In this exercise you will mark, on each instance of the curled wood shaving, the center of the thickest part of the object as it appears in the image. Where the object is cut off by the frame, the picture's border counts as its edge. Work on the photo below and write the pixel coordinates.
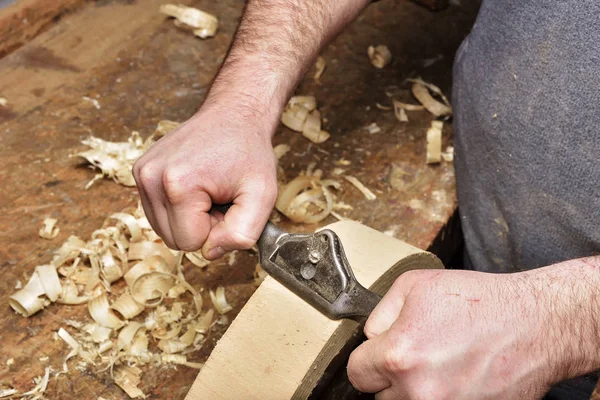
(148, 265)
(97, 333)
(421, 90)
(49, 230)
(7, 393)
(406, 106)
(359, 185)
(150, 286)
(202, 24)
(127, 306)
(161, 332)
(312, 128)
(301, 115)
(70, 294)
(180, 360)
(205, 322)
(281, 150)
(219, 301)
(303, 193)
(166, 126)
(49, 281)
(400, 109)
(102, 314)
(146, 249)
(27, 301)
(296, 111)
(128, 378)
(448, 155)
(177, 345)
(320, 66)
(126, 335)
(128, 220)
(434, 143)
(197, 259)
(379, 55)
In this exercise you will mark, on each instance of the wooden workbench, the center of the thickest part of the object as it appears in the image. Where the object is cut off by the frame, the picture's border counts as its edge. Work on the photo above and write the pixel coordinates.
(141, 69)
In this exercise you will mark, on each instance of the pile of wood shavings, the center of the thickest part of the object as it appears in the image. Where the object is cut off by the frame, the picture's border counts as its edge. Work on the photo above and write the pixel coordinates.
(307, 198)
(123, 318)
(301, 115)
(115, 159)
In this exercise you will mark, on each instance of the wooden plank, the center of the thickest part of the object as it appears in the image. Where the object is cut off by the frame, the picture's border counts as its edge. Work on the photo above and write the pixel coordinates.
(279, 347)
(25, 19)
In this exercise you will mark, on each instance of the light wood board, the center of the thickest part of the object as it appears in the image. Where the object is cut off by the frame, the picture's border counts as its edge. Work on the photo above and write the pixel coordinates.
(279, 346)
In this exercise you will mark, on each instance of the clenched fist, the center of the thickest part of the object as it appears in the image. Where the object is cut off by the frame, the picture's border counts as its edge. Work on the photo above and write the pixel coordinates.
(459, 335)
(217, 157)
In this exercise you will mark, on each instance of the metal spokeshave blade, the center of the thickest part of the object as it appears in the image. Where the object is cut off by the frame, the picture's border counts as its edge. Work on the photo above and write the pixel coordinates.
(315, 268)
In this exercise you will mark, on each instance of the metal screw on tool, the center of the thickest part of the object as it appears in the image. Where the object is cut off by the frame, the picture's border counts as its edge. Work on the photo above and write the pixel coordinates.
(314, 256)
(308, 271)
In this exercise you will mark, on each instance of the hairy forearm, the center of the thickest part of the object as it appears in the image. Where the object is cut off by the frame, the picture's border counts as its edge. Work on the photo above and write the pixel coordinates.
(274, 46)
(569, 296)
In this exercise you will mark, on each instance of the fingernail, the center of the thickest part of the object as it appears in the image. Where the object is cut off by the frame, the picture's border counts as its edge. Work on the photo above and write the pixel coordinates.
(215, 252)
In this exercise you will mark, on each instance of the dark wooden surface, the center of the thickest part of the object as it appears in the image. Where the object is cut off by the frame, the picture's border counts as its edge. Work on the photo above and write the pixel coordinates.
(142, 69)
(24, 19)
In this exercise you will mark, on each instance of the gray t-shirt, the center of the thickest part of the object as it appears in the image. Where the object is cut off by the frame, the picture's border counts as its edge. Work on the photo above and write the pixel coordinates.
(527, 133)
(527, 139)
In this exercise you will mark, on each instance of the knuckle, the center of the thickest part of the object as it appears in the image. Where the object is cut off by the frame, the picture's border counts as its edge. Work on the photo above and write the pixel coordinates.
(398, 357)
(393, 361)
(369, 329)
(353, 372)
(144, 173)
(173, 185)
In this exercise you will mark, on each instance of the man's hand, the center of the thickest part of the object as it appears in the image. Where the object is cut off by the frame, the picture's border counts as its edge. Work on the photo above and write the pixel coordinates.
(212, 158)
(223, 154)
(470, 335)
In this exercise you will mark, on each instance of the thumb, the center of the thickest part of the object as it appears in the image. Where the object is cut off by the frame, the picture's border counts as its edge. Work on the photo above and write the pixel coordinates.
(243, 223)
(388, 310)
